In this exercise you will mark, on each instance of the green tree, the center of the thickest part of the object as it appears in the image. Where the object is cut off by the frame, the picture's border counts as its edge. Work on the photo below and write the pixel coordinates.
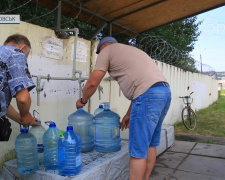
(171, 43)
(181, 34)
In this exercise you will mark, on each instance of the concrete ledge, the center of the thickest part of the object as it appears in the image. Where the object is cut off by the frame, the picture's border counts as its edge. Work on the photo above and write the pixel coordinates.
(95, 165)
(166, 140)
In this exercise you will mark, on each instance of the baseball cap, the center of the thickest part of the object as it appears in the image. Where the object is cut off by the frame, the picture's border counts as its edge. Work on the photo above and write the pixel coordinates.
(105, 40)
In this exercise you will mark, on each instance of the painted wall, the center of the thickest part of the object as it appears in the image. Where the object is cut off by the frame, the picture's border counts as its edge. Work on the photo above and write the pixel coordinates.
(53, 56)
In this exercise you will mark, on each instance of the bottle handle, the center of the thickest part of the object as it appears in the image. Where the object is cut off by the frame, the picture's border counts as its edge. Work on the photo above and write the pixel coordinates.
(115, 133)
(34, 111)
(48, 122)
(24, 127)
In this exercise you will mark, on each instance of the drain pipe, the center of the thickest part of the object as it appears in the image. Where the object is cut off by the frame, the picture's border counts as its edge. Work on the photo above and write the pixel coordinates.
(74, 71)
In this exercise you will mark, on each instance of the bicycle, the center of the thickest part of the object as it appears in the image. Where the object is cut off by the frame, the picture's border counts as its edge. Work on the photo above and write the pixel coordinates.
(188, 115)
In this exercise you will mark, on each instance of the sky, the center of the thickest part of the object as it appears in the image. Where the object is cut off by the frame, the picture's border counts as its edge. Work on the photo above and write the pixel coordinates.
(211, 42)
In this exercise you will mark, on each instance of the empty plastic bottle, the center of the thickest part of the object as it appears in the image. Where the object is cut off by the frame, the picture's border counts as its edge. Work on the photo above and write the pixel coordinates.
(107, 131)
(38, 132)
(26, 151)
(100, 109)
(70, 162)
(83, 126)
(50, 142)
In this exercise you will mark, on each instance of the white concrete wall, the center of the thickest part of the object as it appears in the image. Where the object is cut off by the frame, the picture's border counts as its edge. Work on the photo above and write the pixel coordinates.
(58, 99)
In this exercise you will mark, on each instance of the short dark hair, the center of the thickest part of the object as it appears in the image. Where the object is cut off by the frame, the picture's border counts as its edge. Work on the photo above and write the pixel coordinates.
(18, 39)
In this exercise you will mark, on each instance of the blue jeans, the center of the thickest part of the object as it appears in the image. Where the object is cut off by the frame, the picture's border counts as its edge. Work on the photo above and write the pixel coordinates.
(146, 118)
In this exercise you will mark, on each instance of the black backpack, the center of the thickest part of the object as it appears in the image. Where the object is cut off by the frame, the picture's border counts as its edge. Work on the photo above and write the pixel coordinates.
(5, 129)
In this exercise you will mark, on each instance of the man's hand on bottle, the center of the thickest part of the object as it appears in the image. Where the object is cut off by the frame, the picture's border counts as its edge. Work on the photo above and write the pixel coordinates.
(29, 120)
(125, 122)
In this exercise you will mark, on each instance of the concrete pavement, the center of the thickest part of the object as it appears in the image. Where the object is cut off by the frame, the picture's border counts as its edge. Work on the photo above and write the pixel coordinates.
(191, 161)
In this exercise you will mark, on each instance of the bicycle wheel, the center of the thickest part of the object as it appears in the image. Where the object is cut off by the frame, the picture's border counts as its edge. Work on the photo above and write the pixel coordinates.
(189, 118)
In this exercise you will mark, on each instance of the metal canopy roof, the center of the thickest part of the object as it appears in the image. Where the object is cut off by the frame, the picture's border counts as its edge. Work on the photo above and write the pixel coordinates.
(130, 16)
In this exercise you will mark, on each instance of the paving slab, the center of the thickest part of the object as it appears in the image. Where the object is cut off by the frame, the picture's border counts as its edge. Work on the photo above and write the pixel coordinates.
(182, 147)
(204, 165)
(182, 175)
(161, 173)
(190, 161)
(213, 150)
(170, 159)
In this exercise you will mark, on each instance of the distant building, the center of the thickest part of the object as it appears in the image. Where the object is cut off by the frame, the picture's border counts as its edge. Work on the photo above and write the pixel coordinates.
(220, 75)
(221, 85)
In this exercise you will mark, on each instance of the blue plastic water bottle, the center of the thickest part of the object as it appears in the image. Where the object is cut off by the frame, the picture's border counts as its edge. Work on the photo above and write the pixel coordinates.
(83, 126)
(100, 109)
(50, 142)
(69, 153)
(26, 151)
(107, 131)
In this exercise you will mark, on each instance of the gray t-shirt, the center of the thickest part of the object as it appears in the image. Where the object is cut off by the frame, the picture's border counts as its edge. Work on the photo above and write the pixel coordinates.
(132, 68)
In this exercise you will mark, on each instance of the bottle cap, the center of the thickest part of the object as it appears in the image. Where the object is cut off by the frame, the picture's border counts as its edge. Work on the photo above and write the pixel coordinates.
(24, 130)
(52, 124)
(69, 128)
(100, 106)
(38, 121)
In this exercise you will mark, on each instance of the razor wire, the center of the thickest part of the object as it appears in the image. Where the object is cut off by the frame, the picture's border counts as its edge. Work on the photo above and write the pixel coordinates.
(9, 10)
(160, 50)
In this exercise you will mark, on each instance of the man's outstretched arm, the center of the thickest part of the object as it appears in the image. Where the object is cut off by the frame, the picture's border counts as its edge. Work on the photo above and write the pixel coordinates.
(90, 87)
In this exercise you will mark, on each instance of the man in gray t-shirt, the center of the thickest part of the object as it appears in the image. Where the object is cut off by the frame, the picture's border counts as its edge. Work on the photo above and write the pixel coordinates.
(143, 83)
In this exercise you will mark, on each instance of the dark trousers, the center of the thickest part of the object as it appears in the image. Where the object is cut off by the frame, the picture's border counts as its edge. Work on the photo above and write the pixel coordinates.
(5, 129)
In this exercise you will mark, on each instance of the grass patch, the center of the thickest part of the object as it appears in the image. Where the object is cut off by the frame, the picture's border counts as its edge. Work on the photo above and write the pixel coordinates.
(210, 121)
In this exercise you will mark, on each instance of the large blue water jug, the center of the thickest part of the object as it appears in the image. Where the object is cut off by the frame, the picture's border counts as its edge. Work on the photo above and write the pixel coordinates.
(83, 126)
(99, 109)
(70, 162)
(107, 131)
(50, 142)
(26, 151)
(38, 132)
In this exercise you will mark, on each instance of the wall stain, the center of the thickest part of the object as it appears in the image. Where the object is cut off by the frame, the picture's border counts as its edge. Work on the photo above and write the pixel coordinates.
(8, 156)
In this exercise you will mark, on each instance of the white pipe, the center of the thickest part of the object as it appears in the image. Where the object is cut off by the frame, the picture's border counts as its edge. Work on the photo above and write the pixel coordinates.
(74, 71)
(38, 88)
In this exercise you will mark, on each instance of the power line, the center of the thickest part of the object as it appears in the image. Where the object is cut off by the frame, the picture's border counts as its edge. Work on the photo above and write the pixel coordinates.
(15, 8)
(43, 14)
